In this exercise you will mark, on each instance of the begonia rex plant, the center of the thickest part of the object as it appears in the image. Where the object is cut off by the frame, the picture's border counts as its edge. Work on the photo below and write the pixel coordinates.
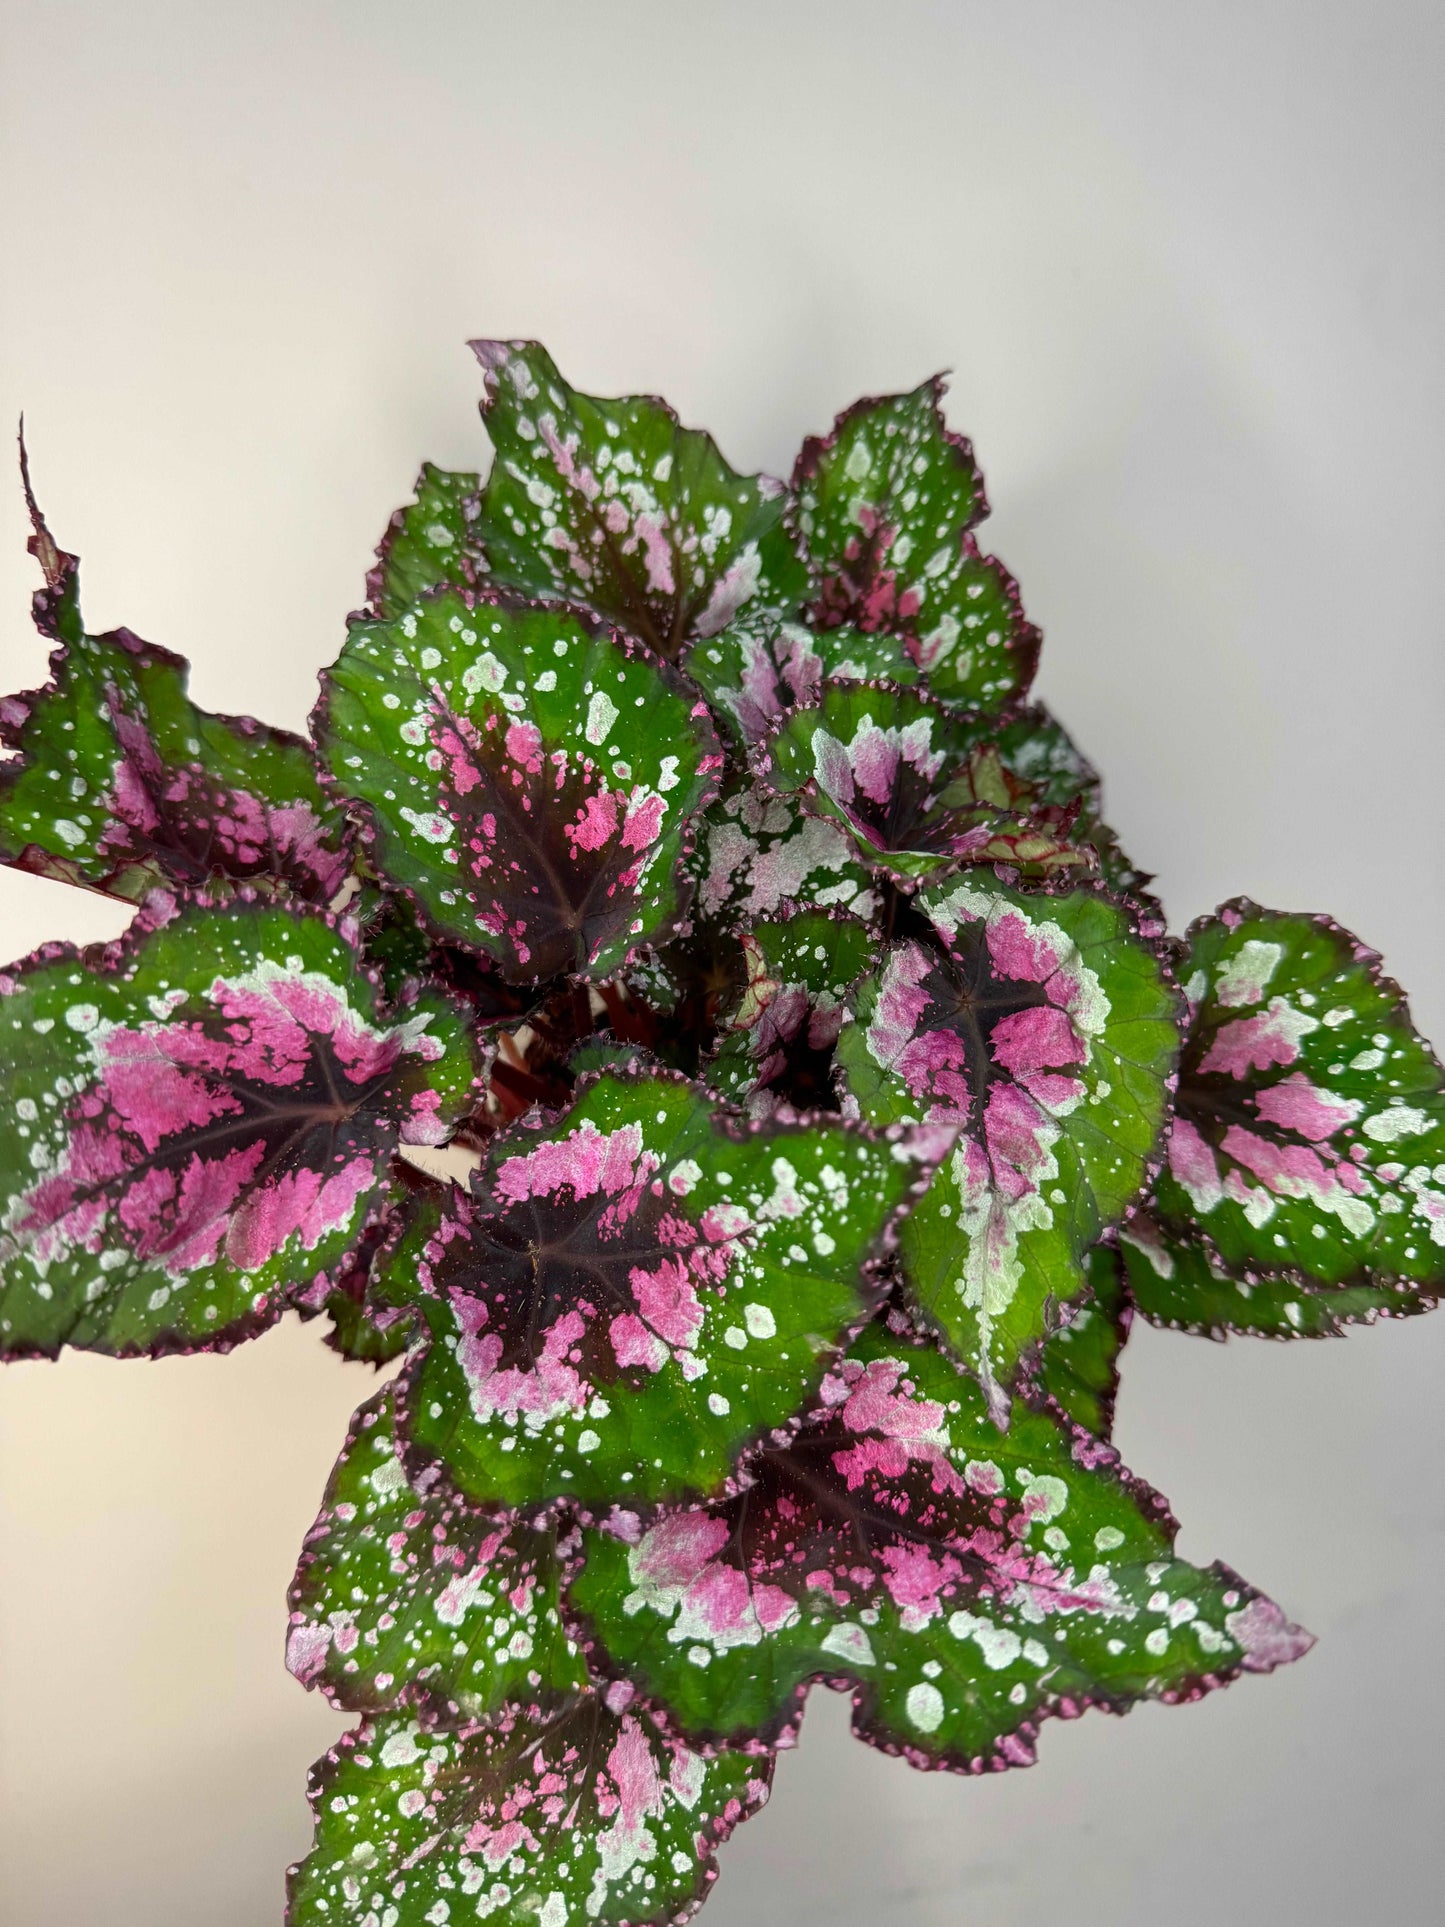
(683, 847)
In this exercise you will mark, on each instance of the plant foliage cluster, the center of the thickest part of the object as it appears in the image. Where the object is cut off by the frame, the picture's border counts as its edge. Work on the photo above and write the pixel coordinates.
(684, 847)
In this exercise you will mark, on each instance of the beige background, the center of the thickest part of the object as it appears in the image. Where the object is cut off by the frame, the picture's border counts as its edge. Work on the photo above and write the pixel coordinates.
(1187, 266)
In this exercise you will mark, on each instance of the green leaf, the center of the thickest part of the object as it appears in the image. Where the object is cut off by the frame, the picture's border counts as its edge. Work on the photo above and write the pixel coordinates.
(429, 543)
(529, 777)
(204, 1114)
(1078, 1365)
(918, 788)
(752, 677)
(1184, 1286)
(885, 507)
(759, 856)
(405, 1596)
(636, 1294)
(778, 1036)
(967, 1585)
(1309, 1138)
(593, 1815)
(123, 785)
(1039, 1028)
(613, 504)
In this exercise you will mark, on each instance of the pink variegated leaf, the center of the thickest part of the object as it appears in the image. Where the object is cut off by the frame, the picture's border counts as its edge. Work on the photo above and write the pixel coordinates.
(406, 1596)
(885, 508)
(593, 1814)
(1308, 1145)
(615, 505)
(635, 1295)
(1034, 1036)
(122, 784)
(203, 1116)
(963, 1584)
(530, 777)
(752, 677)
(919, 788)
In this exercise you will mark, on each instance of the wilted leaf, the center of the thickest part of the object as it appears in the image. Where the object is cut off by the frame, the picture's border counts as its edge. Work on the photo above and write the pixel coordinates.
(886, 505)
(1041, 1029)
(967, 1585)
(1309, 1138)
(203, 1119)
(637, 1294)
(612, 503)
(530, 777)
(405, 1596)
(593, 1815)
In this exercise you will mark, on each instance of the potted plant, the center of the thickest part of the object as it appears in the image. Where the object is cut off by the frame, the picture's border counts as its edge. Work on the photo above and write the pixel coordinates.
(823, 1095)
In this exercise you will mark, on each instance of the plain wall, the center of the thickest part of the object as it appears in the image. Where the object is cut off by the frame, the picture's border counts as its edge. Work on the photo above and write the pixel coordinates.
(1186, 265)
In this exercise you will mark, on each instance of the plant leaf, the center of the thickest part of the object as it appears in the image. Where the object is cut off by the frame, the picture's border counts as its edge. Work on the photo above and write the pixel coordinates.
(405, 1596)
(529, 777)
(591, 1816)
(965, 1584)
(204, 1114)
(1041, 1029)
(918, 788)
(752, 677)
(1309, 1136)
(1078, 1365)
(430, 543)
(635, 1295)
(123, 785)
(885, 506)
(778, 1036)
(612, 503)
(1186, 1287)
(758, 856)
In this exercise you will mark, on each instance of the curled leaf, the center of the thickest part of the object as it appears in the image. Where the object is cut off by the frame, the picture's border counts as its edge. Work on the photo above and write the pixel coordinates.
(529, 775)
(123, 785)
(592, 1815)
(204, 1114)
(964, 1584)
